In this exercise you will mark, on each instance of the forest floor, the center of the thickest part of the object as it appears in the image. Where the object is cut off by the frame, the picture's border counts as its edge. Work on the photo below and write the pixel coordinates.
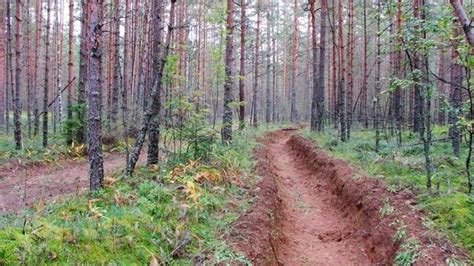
(316, 210)
(24, 185)
(308, 209)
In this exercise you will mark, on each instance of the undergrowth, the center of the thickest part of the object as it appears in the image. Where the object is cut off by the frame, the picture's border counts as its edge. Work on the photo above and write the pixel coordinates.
(449, 207)
(177, 213)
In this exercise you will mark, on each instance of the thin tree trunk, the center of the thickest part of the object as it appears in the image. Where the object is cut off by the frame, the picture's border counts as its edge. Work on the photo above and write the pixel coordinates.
(3, 69)
(397, 93)
(59, 33)
(455, 100)
(127, 80)
(294, 64)
(342, 69)
(38, 25)
(228, 94)
(154, 133)
(255, 78)
(155, 95)
(18, 77)
(70, 69)
(364, 107)
(116, 65)
(28, 68)
(377, 104)
(319, 72)
(350, 72)
(268, 103)
(83, 64)
(243, 25)
(46, 77)
(314, 44)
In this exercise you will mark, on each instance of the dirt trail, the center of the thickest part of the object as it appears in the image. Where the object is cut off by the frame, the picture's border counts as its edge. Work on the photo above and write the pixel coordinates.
(314, 231)
(311, 209)
(47, 182)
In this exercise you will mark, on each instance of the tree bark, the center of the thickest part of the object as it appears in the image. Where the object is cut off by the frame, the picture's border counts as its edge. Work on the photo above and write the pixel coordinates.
(268, 97)
(70, 69)
(83, 64)
(155, 95)
(342, 69)
(464, 20)
(94, 93)
(255, 77)
(228, 94)
(294, 64)
(46, 77)
(377, 104)
(397, 93)
(18, 77)
(127, 82)
(154, 133)
(243, 25)
(3, 69)
(38, 25)
(28, 68)
(350, 66)
(455, 98)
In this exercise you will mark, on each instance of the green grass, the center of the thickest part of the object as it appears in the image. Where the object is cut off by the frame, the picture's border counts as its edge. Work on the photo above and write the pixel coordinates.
(139, 219)
(450, 208)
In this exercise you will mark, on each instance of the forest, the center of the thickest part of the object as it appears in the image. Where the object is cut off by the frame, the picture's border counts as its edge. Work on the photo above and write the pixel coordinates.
(236, 132)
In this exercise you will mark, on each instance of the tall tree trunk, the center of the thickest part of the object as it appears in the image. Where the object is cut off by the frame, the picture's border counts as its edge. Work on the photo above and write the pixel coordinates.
(3, 69)
(422, 89)
(83, 64)
(350, 72)
(70, 69)
(154, 100)
(397, 93)
(364, 108)
(46, 77)
(314, 48)
(94, 93)
(18, 77)
(154, 133)
(342, 69)
(38, 26)
(28, 68)
(455, 99)
(268, 103)
(318, 67)
(377, 104)
(274, 72)
(59, 61)
(294, 64)
(127, 80)
(228, 94)
(116, 65)
(243, 25)
(335, 109)
(255, 77)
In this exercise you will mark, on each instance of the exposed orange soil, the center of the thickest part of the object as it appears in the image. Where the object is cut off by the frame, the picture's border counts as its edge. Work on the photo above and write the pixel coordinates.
(312, 209)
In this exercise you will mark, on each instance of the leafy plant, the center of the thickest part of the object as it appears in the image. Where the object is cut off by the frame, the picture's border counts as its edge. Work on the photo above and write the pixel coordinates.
(408, 253)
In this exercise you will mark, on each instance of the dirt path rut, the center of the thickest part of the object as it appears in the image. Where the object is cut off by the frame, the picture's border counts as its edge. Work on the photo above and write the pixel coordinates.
(314, 231)
(22, 187)
(312, 209)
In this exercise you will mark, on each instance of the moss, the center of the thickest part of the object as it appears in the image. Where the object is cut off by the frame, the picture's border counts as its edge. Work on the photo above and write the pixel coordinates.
(139, 217)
